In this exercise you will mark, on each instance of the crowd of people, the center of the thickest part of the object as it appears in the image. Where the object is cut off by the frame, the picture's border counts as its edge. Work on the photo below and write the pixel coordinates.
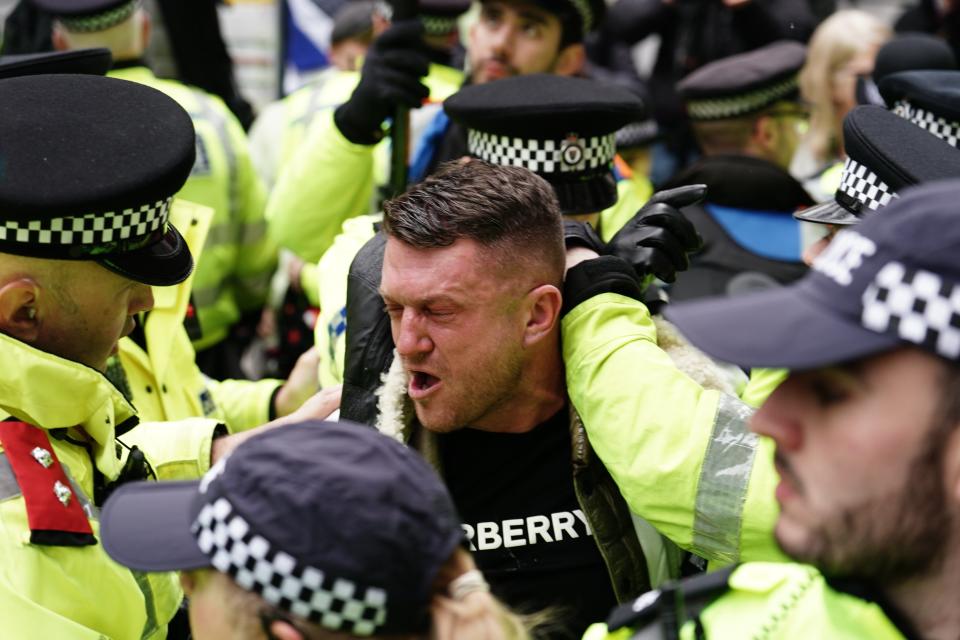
(596, 353)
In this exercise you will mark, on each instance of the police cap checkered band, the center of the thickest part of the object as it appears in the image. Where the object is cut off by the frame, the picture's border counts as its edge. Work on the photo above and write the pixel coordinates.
(255, 564)
(438, 25)
(948, 131)
(860, 187)
(732, 106)
(99, 21)
(88, 236)
(570, 156)
(916, 306)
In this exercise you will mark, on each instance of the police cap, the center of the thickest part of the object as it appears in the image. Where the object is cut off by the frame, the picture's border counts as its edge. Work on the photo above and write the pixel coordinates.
(913, 52)
(885, 154)
(890, 282)
(561, 128)
(928, 99)
(84, 16)
(745, 83)
(333, 522)
(87, 61)
(88, 169)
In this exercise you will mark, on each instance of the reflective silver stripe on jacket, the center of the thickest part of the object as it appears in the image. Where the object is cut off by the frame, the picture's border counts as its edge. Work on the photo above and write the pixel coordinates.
(9, 487)
(722, 487)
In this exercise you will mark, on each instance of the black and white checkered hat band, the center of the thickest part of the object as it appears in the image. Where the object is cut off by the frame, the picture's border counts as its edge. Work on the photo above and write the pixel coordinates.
(719, 108)
(100, 21)
(864, 186)
(90, 231)
(586, 15)
(916, 306)
(943, 129)
(438, 25)
(255, 565)
(636, 133)
(573, 155)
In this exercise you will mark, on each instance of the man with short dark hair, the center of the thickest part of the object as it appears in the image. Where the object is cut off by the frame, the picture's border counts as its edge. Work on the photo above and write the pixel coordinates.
(472, 276)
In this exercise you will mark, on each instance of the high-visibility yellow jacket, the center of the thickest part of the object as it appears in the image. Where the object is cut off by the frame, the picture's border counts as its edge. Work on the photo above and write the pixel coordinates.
(78, 592)
(281, 127)
(239, 259)
(164, 381)
(330, 179)
(761, 600)
(681, 455)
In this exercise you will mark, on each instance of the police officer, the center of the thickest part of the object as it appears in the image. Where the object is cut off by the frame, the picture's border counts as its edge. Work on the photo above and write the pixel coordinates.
(387, 562)
(233, 276)
(745, 115)
(335, 171)
(78, 257)
(864, 430)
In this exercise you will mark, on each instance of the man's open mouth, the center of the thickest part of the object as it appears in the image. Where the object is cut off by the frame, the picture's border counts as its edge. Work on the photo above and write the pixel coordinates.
(422, 384)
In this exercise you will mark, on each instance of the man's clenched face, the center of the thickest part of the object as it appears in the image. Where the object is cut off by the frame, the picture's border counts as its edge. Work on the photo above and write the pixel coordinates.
(458, 329)
(860, 452)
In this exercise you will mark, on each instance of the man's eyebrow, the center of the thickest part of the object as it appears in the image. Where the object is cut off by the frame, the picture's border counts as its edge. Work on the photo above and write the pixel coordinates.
(852, 371)
(425, 302)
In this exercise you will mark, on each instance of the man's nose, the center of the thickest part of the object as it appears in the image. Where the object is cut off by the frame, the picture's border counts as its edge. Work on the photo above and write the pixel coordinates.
(781, 418)
(141, 300)
(410, 337)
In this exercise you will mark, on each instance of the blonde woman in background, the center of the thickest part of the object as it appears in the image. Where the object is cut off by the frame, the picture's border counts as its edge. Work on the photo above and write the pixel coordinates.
(841, 51)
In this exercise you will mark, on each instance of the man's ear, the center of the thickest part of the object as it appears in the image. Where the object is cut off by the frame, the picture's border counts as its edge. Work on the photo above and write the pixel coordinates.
(283, 630)
(572, 60)
(544, 303)
(765, 137)
(20, 314)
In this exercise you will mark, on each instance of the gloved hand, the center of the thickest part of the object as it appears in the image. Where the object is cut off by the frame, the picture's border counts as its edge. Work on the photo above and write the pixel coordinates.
(581, 234)
(390, 78)
(658, 238)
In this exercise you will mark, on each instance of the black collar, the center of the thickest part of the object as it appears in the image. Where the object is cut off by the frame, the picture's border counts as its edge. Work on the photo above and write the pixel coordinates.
(744, 182)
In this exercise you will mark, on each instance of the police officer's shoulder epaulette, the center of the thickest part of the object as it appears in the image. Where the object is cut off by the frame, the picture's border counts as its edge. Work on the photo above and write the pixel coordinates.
(55, 514)
(672, 604)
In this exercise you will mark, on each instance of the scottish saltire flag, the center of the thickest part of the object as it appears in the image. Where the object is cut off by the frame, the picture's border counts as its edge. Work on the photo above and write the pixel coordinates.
(307, 28)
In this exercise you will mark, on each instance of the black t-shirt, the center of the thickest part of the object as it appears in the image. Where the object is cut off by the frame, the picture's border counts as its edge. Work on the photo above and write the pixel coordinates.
(527, 532)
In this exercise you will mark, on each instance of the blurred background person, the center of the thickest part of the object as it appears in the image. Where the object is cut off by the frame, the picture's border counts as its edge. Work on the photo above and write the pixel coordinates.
(840, 57)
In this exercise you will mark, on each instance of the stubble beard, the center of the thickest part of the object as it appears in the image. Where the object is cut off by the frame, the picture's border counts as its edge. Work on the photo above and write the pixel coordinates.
(478, 398)
(890, 539)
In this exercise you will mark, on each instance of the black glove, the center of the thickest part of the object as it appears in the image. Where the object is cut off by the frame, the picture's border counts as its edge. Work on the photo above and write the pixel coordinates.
(581, 234)
(390, 78)
(658, 238)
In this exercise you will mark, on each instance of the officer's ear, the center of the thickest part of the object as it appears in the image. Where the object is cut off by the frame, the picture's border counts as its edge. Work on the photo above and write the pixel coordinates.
(20, 314)
(765, 138)
(543, 304)
(571, 60)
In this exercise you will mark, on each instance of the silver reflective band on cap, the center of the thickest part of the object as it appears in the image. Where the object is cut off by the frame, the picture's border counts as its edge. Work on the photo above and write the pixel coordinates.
(718, 108)
(864, 186)
(946, 130)
(255, 565)
(916, 306)
(571, 155)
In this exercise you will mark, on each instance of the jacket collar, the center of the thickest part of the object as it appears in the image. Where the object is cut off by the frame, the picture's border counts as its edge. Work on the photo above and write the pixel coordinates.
(396, 416)
(54, 393)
